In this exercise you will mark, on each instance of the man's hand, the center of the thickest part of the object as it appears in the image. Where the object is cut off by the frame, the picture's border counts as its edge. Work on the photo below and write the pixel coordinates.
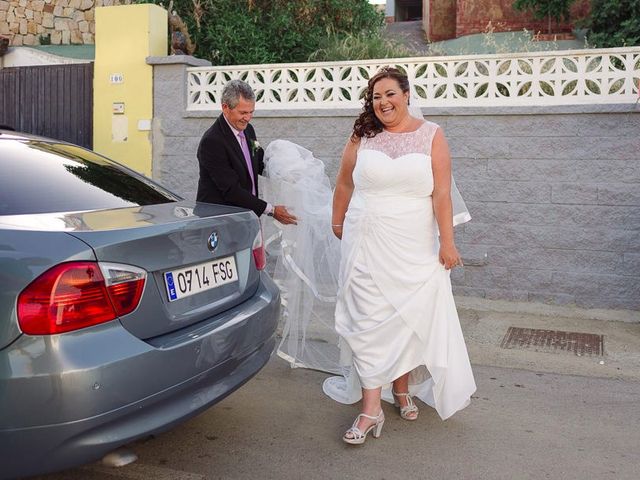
(281, 214)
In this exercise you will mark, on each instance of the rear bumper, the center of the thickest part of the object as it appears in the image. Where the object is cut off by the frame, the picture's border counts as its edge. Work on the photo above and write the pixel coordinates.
(69, 399)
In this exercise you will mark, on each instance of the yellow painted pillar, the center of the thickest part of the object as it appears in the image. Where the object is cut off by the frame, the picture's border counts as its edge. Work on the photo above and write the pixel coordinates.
(123, 82)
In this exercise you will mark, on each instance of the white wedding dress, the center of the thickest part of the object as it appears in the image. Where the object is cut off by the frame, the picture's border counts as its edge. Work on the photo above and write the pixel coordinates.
(394, 309)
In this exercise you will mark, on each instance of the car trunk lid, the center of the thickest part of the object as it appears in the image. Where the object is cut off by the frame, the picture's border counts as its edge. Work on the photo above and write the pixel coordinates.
(198, 259)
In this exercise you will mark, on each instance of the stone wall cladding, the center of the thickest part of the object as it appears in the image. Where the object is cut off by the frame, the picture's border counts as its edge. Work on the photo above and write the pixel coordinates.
(62, 22)
(555, 197)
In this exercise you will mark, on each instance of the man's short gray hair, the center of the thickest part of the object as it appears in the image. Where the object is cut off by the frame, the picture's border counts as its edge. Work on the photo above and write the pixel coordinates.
(235, 89)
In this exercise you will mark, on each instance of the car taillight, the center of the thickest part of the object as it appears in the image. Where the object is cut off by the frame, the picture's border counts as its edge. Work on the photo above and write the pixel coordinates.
(258, 251)
(76, 295)
(125, 284)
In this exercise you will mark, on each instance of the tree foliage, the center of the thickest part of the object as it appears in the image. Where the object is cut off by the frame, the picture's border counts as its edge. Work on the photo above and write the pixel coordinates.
(236, 32)
(614, 23)
(549, 9)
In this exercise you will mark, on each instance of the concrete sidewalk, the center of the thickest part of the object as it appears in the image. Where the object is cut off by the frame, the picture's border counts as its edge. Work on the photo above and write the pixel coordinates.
(535, 415)
(485, 323)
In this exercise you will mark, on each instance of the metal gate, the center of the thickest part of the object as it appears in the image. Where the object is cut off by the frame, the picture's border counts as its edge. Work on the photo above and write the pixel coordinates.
(50, 100)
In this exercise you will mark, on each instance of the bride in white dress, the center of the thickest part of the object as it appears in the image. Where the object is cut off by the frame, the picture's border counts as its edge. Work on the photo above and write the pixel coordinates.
(395, 309)
(399, 332)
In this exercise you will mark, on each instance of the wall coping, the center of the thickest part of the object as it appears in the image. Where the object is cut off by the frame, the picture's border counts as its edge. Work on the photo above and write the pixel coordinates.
(187, 60)
(546, 310)
(437, 111)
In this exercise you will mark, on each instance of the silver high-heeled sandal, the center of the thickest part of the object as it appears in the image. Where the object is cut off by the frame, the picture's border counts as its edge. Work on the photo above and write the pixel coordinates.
(355, 436)
(410, 410)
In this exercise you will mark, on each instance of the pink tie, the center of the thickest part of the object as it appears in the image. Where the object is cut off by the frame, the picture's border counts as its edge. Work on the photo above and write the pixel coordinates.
(247, 158)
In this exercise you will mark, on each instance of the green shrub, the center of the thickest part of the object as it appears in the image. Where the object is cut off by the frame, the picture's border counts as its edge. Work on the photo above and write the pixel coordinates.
(236, 32)
(614, 23)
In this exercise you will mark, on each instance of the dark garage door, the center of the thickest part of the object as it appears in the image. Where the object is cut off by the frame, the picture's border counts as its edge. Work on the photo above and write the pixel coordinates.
(51, 100)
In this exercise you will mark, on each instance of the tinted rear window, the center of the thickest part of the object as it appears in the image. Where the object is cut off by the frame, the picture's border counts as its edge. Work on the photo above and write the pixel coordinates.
(41, 177)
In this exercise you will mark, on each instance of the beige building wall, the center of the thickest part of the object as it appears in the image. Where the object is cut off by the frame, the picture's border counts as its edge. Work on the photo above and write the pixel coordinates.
(123, 81)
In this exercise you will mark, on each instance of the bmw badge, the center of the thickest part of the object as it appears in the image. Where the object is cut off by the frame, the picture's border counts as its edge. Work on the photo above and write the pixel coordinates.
(212, 241)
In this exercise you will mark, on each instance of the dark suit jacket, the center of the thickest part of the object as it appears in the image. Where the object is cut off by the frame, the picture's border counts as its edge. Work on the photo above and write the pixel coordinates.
(224, 177)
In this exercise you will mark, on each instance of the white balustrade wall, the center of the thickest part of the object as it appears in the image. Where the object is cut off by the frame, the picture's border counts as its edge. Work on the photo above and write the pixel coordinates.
(579, 77)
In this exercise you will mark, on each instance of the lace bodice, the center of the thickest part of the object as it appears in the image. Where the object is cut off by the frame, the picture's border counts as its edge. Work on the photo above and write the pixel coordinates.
(396, 145)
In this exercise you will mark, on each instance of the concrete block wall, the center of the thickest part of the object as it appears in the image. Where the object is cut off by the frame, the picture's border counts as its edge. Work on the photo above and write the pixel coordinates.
(554, 192)
(556, 204)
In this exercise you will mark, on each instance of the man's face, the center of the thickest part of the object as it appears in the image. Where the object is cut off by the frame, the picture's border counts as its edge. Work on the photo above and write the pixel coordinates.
(240, 116)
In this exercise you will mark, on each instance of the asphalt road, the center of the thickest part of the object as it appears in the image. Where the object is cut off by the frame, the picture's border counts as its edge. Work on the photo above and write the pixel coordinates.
(536, 415)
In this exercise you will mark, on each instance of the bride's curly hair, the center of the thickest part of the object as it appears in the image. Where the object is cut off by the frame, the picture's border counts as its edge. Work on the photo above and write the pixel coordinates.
(367, 124)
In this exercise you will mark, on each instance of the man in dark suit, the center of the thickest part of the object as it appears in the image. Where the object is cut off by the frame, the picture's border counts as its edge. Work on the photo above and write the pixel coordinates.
(231, 159)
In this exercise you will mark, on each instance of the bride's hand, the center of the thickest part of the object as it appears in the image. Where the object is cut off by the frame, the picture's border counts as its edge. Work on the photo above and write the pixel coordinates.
(337, 231)
(449, 256)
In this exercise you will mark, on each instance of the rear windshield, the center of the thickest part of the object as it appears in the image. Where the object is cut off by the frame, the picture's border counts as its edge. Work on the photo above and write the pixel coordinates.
(41, 177)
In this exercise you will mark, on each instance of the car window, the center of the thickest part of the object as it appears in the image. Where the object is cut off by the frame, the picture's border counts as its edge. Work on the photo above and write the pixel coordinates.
(42, 177)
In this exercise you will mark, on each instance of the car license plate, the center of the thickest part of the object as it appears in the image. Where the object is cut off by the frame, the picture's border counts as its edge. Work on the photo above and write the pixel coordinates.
(198, 278)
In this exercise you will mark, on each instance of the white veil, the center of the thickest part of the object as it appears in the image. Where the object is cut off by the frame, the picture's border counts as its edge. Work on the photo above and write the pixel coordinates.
(304, 258)
(304, 261)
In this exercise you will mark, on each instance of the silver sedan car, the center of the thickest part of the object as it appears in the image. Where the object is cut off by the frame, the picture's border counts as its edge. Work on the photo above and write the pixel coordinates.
(124, 310)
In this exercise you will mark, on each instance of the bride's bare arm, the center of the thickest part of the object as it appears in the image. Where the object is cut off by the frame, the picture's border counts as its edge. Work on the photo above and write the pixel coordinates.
(442, 208)
(344, 186)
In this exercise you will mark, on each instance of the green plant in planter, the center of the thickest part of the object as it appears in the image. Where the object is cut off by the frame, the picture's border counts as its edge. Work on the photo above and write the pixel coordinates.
(557, 10)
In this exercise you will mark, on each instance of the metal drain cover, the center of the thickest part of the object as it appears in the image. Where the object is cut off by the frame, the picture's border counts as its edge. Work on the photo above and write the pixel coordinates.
(554, 340)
